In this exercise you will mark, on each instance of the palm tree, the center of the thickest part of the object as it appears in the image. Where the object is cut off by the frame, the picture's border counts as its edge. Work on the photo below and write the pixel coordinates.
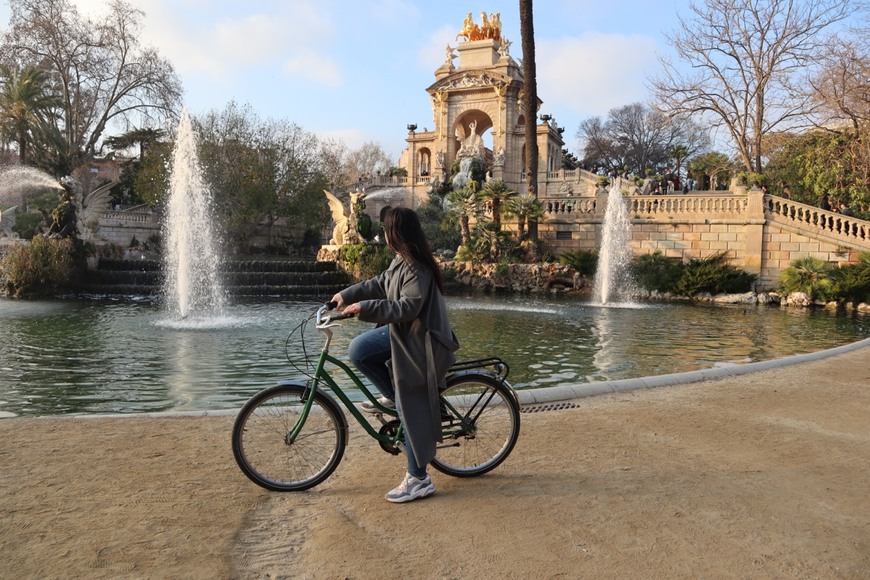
(525, 207)
(495, 192)
(25, 106)
(530, 101)
(464, 203)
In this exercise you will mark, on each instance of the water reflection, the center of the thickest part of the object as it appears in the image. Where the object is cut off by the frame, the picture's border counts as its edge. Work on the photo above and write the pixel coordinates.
(60, 357)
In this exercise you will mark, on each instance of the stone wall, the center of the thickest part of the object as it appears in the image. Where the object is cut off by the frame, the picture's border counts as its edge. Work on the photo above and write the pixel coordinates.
(760, 234)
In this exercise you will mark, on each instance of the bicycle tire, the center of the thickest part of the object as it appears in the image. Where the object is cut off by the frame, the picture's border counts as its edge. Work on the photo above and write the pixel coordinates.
(260, 433)
(488, 430)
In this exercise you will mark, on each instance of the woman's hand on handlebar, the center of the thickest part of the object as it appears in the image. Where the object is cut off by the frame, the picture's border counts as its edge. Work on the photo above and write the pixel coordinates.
(352, 309)
(339, 304)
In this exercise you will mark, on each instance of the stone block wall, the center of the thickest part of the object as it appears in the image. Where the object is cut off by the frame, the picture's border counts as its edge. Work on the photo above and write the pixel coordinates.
(781, 247)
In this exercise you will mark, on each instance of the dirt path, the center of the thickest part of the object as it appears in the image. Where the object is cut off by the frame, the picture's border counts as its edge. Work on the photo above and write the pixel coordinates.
(764, 475)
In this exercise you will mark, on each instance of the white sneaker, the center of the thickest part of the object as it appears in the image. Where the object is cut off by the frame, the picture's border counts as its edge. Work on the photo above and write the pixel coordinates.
(384, 401)
(411, 488)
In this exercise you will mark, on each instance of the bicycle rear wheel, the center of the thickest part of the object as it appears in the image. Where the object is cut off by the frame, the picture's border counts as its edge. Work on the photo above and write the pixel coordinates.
(483, 427)
(264, 450)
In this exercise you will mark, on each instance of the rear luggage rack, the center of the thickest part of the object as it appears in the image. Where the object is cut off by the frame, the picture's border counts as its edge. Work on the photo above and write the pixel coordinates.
(501, 368)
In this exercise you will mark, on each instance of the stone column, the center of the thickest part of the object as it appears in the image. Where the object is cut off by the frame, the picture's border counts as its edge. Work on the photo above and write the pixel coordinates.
(754, 233)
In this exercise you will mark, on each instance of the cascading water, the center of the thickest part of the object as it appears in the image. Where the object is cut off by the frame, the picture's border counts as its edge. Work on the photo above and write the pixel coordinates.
(192, 260)
(464, 174)
(613, 281)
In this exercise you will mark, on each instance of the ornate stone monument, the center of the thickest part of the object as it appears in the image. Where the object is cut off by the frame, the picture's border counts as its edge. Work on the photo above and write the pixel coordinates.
(477, 111)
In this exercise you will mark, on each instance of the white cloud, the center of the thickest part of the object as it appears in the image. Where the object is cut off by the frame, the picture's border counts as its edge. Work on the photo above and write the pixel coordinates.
(593, 73)
(432, 53)
(315, 67)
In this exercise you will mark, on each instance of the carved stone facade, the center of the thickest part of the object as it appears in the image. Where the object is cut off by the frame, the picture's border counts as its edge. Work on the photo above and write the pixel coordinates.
(482, 96)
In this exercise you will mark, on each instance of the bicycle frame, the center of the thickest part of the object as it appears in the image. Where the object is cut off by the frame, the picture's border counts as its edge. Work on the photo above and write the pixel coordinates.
(459, 423)
(322, 377)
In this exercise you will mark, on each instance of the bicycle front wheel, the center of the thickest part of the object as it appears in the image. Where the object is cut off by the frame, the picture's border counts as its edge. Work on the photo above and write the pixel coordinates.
(270, 457)
(480, 425)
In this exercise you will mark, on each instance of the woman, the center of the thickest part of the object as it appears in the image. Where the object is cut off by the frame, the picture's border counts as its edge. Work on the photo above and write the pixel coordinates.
(416, 348)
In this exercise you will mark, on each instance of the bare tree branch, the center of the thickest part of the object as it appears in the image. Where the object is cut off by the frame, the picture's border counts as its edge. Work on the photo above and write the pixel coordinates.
(742, 57)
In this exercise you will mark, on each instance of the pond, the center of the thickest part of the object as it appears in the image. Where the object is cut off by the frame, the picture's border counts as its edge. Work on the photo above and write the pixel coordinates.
(94, 357)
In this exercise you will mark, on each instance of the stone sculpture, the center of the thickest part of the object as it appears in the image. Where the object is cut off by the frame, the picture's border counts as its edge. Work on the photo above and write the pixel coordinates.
(7, 222)
(346, 230)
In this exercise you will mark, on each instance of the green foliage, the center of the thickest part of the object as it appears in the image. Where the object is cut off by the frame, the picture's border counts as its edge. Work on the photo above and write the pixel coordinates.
(712, 275)
(38, 268)
(488, 244)
(365, 261)
(151, 180)
(816, 163)
(812, 276)
(584, 262)
(656, 272)
(853, 282)
(711, 165)
(495, 193)
(439, 225)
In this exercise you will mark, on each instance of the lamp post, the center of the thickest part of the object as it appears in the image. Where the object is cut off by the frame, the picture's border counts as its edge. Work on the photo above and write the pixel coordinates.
(411, 128)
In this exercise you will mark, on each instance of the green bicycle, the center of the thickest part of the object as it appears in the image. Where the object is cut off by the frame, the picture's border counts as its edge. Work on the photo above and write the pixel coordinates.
(292, 436)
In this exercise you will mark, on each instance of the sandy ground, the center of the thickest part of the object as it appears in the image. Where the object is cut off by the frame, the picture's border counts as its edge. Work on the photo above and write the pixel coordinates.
(762, 476)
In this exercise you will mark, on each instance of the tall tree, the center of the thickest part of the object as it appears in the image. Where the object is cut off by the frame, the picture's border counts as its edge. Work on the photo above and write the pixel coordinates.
(97, 67)
(639, 139)
(742, 57)
(25, 106)
(530, 101)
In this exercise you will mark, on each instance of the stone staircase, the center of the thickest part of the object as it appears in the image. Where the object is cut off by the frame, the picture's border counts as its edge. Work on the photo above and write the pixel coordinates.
(241, 278)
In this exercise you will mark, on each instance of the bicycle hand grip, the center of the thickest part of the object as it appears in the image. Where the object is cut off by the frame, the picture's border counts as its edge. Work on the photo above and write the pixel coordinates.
(340, 317)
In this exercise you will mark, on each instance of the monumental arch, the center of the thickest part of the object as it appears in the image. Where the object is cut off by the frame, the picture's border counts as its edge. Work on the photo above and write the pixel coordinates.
(477, 109)
(477, 97)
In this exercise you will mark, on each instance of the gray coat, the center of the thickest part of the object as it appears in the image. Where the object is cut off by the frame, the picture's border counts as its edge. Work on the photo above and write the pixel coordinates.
(407, 298)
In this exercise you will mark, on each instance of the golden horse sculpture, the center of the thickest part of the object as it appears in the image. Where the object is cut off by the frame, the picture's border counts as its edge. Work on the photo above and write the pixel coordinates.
(490, 27)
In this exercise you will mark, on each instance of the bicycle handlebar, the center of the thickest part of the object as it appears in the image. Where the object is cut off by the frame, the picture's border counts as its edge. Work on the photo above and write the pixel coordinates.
(321, 319)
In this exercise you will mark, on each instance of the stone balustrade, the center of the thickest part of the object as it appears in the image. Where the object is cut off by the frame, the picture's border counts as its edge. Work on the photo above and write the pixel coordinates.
(722, 206)
(807, 217)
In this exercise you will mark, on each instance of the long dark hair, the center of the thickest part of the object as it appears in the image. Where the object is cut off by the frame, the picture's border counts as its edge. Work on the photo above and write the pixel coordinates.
(405, 237)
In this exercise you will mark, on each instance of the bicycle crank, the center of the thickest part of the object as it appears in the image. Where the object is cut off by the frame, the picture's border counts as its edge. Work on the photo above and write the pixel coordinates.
(389, 430)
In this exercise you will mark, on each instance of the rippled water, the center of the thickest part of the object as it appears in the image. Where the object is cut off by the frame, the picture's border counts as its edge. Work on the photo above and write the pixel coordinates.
(60, 357)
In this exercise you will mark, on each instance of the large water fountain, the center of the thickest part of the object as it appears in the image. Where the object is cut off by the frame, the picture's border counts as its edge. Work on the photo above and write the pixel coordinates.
(192, 259)
(613, 281)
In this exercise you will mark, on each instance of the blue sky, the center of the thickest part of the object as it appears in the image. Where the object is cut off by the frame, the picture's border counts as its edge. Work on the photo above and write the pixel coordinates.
(358, 70)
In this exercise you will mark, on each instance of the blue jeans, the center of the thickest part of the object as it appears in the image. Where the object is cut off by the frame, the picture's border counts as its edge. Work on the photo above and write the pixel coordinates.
(369, 353)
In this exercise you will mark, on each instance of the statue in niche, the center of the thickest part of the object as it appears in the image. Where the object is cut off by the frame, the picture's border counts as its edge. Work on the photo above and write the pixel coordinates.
(499, 158)
(440, 159)
(472, 146)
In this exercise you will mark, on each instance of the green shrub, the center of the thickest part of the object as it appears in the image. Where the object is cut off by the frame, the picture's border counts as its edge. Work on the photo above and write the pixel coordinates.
(656, 272)
(584, 262)
(364, 261)
(712, 275)
(852, 284)
(38, 268)
(812, 276)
